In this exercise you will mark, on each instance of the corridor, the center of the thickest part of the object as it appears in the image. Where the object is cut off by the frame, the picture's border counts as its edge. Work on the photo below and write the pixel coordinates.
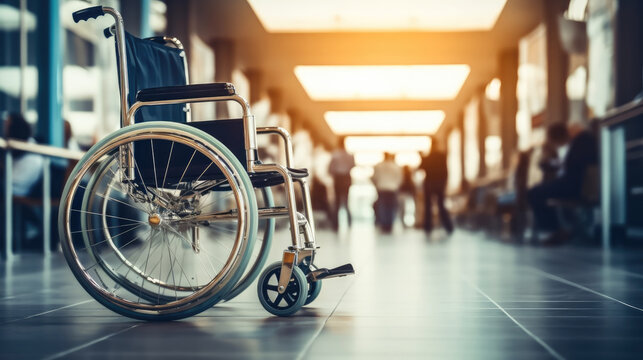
(413, 296)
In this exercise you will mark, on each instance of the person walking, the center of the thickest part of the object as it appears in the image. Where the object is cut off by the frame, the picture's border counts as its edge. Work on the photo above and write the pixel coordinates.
(339, 168)
(435, 181)
(387, 178)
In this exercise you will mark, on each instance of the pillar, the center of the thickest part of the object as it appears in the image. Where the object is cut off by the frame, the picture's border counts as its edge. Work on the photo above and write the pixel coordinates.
(508, 75)
(223, 67)
(557, 64)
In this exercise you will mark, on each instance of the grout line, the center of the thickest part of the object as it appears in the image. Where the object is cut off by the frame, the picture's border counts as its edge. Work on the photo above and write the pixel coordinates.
(542, 343)
(571, 283)
(80, 347)
(10, 297)
(310, 342)
(50, 311)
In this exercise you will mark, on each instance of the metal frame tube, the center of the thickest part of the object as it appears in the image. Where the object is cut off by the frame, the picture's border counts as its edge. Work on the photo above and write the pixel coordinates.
(290, 198)
(249, 128)
(119, 36)
(308, 209)
(285, 135)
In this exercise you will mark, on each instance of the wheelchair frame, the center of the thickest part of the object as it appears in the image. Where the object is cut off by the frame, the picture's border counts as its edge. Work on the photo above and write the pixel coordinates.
(303, 244)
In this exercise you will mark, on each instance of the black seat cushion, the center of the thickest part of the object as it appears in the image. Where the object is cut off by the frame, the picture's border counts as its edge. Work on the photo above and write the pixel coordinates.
(185, 92)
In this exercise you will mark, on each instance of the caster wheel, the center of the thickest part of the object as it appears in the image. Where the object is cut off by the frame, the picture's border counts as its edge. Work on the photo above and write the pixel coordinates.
(291, 300)
(314, 287)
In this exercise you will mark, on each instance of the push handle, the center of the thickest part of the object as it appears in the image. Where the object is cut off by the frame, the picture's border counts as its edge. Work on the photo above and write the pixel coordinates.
(90, 12)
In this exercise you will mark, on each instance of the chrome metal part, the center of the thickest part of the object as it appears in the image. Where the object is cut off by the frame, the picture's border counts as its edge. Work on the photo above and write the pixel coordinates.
(285, 135)
(290, 197)
(195, 239)
(288, 261)
(119, 35)
(248, 128)
(308, 209)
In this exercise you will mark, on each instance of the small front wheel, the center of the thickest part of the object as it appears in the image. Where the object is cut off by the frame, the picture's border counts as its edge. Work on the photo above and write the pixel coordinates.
(314, 287)
(291, 300)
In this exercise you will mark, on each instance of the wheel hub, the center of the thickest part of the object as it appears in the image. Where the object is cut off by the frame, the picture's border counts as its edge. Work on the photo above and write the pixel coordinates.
(154, 219)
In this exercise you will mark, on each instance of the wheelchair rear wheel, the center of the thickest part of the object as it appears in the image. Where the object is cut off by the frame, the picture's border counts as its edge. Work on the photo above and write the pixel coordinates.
(261, 248)
(166, 237)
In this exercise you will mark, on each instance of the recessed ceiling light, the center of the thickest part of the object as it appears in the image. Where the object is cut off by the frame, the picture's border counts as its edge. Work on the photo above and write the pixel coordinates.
(392, 144)
(387, 82)
(425, 122)
(369, 15)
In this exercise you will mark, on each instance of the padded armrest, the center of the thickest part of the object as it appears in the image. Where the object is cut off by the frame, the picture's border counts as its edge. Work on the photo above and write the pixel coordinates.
(185, 92)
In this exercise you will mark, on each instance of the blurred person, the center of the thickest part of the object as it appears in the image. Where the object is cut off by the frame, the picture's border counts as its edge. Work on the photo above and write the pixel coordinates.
(27, 167)
(339, 168)
(435, 182)
(320, 184)
(582, 153)
(387, 178)
(549, 161)
(407, 191)
(26, 184)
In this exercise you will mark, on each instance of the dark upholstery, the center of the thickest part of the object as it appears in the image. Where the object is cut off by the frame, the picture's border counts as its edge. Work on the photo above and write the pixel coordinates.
(185, 92)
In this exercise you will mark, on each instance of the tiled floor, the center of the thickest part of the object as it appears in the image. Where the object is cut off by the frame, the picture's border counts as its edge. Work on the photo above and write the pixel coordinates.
(413, 296)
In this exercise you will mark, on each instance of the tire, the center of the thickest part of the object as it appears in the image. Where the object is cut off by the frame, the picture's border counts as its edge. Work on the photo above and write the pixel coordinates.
(282, 304)
(261, 248)
(119, 260)
(314, 287)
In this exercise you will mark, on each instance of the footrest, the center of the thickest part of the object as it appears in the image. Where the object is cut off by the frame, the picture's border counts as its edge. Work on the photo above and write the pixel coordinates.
(324, 273)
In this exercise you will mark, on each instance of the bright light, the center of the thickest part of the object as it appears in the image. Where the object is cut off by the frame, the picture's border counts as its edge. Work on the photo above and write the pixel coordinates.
(425, 122)
(492, 91)
(392, 144)
(389, 82)
(369, 15)
(368, 158)
(412, 159)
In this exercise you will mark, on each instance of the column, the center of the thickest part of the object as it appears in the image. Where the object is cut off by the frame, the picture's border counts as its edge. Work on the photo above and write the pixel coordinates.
(223, 67)
(557, 64)
(508, 75)
(49, 128)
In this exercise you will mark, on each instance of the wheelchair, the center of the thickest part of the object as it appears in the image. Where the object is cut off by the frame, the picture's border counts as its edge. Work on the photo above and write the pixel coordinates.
(166, 217)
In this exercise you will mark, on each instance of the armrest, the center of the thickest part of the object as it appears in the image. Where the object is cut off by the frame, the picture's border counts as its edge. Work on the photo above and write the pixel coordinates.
(283, 133)
(185, 92)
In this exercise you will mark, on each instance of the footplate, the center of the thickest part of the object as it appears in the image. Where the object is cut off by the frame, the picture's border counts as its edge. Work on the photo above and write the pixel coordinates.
(324, 273)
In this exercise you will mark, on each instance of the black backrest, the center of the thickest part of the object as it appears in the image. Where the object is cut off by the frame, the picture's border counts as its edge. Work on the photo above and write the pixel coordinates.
(151, 65)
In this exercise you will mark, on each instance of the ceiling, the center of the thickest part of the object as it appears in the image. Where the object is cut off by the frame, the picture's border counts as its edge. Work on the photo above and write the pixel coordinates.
(277, 54)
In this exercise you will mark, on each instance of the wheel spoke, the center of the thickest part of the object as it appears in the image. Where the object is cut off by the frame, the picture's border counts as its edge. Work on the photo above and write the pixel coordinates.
(278, 299)
(167, 166)
(289, 299)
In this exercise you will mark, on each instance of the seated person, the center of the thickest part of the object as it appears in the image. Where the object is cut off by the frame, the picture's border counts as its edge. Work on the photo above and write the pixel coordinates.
(549, 160)
(27, 167)
(26, 176)
(582, 153)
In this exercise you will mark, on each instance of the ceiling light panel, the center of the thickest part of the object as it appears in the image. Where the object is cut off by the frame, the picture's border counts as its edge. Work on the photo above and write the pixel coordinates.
(370, 15)
(388, 82)
(392, 144)
(425, 122)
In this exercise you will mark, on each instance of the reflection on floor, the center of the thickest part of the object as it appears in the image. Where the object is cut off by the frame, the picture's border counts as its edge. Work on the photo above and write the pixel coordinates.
(413, 297)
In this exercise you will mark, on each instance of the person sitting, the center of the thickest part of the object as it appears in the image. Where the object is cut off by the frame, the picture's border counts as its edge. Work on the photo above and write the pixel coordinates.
(27, 167)
(26, 176)
(582, 153)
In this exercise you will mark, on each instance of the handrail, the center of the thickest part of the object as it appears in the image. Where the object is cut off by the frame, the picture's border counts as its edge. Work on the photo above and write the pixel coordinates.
(47, 150)
(622, 113)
